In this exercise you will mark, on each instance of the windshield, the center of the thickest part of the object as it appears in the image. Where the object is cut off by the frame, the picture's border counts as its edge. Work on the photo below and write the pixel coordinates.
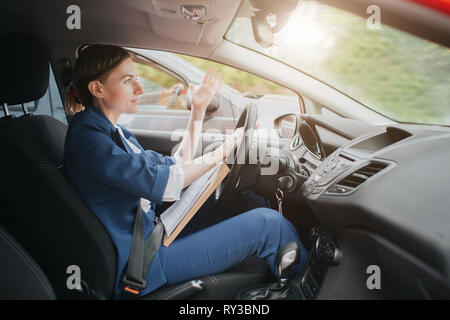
(394, 73)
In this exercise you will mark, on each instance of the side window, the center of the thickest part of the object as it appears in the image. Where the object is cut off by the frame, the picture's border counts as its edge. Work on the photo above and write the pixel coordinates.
(164, 109)
(50, 104)
(248, 85)
(159, 86)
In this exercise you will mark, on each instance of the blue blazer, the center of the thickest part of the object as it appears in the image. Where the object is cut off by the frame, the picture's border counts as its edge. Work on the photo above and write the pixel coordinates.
(111, 178)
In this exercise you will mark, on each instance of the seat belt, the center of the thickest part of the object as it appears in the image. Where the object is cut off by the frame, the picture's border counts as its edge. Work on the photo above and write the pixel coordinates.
(141, 255)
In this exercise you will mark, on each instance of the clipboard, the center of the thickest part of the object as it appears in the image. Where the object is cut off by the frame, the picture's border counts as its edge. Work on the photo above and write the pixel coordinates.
(213, 182)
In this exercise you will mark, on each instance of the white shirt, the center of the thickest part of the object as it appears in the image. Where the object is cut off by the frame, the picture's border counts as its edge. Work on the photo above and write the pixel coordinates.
(175, 181)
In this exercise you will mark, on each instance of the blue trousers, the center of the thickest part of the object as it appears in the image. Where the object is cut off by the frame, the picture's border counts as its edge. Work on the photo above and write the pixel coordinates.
(215, 240)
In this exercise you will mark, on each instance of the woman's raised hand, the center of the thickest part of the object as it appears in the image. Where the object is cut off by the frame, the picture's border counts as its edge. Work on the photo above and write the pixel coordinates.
(203, 94)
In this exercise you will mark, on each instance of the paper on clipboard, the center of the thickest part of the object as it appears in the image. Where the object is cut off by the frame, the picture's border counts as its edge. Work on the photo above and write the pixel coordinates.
(178, 215)
(172, 216)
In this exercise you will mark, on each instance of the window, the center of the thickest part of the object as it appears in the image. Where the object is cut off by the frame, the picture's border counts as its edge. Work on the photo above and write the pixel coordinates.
(50, 104)
(159, 86)
(244, 83)
(392, 72)
(160, 110)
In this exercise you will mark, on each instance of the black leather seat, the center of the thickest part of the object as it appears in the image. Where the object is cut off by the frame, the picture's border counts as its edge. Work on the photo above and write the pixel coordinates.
(20, 277)
(45, 213)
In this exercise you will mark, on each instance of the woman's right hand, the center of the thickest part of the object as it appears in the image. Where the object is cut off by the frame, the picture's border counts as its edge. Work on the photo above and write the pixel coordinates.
(203, 94)
(231, 142)
(194, 169)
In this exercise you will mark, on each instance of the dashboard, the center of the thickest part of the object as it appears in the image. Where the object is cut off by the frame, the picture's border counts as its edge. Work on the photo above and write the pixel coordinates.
(382, 192)
(346, 169)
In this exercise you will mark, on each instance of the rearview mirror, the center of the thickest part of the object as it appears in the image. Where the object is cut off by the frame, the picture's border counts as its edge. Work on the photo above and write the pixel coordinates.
(262, 32)
(286, 125)
(269, 18)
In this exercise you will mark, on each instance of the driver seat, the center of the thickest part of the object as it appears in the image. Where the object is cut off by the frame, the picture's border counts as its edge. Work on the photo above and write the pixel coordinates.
(46, 215)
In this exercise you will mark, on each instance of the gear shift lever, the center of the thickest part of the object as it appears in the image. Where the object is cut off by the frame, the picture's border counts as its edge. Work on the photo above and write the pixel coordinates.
(288, 255)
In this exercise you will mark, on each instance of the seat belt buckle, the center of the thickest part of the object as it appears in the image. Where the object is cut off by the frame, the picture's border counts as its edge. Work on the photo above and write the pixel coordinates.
(134, 287)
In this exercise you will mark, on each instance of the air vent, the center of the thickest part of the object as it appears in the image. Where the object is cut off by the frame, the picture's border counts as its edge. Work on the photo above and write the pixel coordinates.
(358, 177)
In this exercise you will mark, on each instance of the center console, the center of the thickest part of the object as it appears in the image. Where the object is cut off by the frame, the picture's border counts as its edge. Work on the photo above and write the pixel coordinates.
(341, 174)
(325, 253)
(350, 166)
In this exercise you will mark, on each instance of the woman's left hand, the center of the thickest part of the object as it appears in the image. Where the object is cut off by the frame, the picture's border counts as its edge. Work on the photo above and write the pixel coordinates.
(202, 95)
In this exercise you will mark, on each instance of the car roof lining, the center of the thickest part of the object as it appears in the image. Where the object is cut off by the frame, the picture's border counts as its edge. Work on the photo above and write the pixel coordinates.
(126, 23)
(139, 23)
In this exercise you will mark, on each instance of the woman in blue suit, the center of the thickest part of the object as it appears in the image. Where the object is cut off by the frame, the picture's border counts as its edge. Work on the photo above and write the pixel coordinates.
(113, 173)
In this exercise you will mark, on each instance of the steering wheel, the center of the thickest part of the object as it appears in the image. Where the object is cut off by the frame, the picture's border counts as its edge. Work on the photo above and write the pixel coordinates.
(230, 185)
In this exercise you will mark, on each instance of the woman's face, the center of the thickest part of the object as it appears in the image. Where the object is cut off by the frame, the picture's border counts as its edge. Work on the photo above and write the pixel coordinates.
(120, 89)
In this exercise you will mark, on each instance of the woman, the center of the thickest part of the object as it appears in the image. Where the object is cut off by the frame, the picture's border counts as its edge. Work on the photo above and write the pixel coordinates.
(112, 173)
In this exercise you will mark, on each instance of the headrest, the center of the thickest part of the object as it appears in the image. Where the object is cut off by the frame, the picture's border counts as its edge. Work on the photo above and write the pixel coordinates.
(24, 67)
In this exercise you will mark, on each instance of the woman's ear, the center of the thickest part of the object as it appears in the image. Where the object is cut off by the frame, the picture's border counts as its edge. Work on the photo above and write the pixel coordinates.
(96, 89)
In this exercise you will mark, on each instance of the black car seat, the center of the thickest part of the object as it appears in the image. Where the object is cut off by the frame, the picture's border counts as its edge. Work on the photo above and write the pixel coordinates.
(20, 277)
(46, 215)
